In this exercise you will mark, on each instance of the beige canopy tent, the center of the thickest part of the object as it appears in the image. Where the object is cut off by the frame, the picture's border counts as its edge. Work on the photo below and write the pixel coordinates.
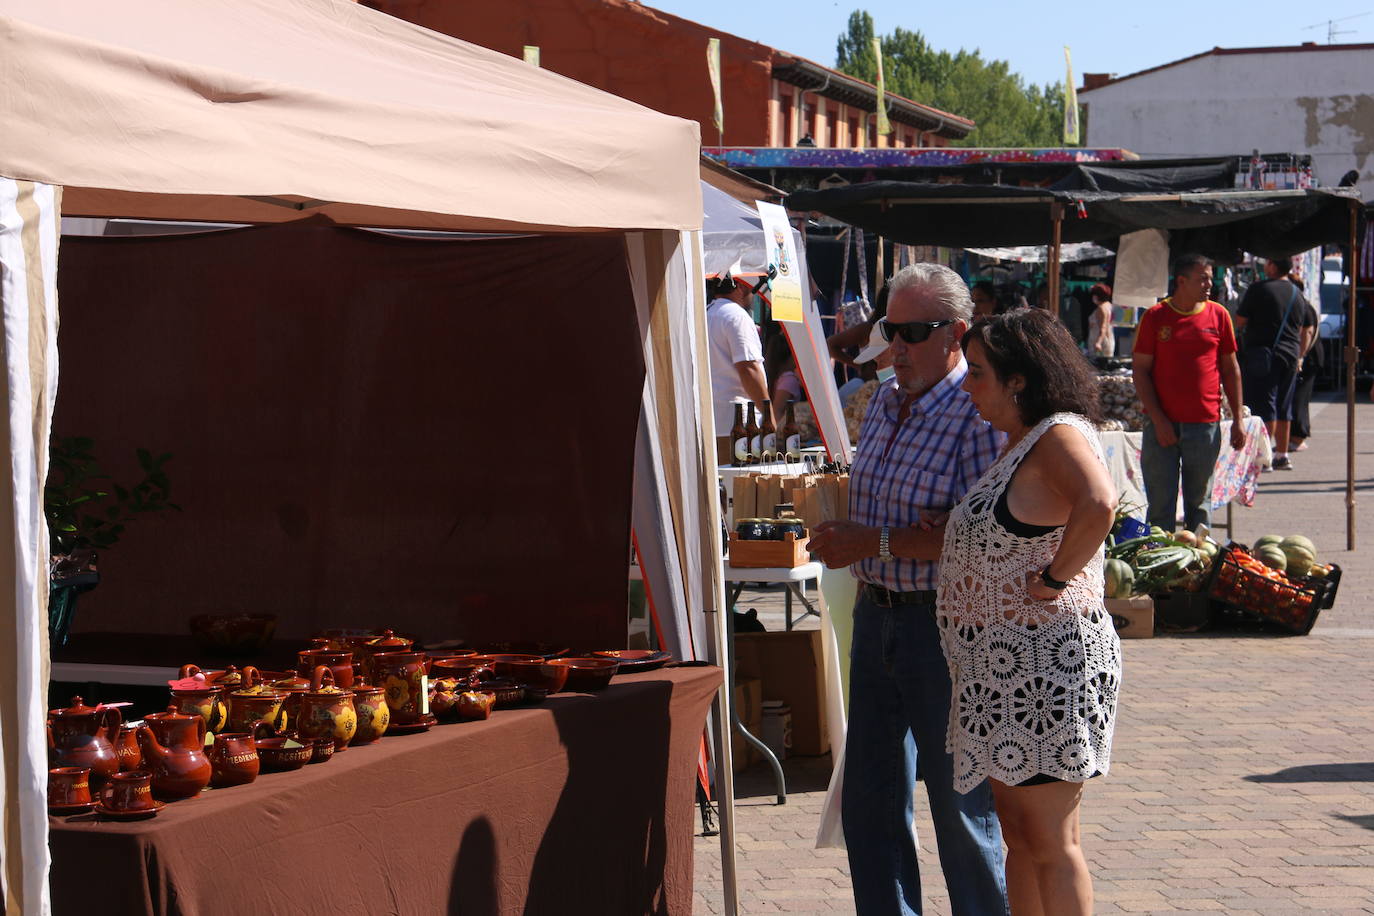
(267, 111)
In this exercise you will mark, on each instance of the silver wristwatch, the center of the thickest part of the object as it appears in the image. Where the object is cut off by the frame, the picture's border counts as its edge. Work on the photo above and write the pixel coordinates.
(884, 545)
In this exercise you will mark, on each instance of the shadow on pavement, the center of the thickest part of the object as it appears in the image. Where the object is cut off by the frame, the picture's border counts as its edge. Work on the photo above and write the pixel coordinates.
(803, 774)
(1323, 772)
(1360, 820)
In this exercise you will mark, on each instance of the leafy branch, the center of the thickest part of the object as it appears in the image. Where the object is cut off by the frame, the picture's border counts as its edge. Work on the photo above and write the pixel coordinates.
(86, 508)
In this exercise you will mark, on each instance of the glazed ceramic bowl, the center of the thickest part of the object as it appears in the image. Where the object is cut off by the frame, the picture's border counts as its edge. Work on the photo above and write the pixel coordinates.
(231, 634)
(501, 662)
(541, 674)
(323, 750)
(277, 757)
(460, 668)
(588, 673)
(433, 655)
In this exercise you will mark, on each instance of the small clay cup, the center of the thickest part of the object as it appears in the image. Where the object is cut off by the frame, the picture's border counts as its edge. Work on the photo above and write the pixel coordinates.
(132, 791)
(69, 787)
(276, 757)
(322, 750)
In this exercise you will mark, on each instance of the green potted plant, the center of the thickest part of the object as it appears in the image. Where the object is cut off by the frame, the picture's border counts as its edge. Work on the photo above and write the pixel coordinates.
(87, 512)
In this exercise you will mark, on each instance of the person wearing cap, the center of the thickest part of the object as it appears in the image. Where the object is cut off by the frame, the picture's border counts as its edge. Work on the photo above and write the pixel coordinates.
(737, 375)
(922, 445)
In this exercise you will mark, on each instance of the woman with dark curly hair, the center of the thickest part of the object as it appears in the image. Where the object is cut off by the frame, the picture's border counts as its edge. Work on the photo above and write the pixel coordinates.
(1032, 653)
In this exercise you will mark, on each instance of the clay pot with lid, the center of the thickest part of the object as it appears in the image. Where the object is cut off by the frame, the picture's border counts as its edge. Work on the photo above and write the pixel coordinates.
(206, 702)
(85, 736)
(388, 641)
(327, 710)
(173, 746)
(293, 685)
(402, 676)
(254, 702)
(374, 716)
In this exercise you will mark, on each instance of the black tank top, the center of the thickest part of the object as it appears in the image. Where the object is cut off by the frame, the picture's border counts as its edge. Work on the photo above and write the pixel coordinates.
(1002, 512)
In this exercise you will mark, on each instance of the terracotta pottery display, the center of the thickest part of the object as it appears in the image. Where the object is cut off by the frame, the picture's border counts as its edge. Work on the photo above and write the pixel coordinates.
(69, 788)
(339, 662)
(374, 715)
(129, 792)
(293, 685)
(327, 711)
(84, 736)
(247, 709)
(461, 668)
(402, 676)
(234, 760)
(174, 751)
(501, 662)
(127, 750)
(322, 750)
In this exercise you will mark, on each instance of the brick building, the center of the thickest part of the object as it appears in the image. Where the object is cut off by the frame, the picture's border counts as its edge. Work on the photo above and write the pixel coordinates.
(770, 98)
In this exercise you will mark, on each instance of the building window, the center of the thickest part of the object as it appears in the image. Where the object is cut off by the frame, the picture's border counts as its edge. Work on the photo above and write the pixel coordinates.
(910, 139)
(832, 126)
(855, 132)
(789, 120)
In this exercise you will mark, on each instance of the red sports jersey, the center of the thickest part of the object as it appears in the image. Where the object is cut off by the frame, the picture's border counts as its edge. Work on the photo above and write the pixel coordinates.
(1187, 349)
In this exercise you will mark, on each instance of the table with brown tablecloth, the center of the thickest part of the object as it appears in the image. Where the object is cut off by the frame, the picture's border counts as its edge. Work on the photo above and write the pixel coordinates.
(581, 804)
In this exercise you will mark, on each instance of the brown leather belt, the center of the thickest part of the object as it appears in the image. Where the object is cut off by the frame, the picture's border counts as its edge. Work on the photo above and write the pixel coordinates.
(886, 597)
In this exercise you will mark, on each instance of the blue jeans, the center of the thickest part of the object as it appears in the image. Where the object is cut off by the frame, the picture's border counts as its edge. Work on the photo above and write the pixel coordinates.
(899, 702)
(1194, 458)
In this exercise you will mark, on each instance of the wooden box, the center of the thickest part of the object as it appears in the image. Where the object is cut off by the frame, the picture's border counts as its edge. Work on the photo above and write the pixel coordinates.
(790, 552)
(1134, 617)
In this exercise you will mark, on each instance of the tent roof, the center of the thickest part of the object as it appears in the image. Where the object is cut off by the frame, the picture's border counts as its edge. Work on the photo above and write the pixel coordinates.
(274, 110)
(1214, 222)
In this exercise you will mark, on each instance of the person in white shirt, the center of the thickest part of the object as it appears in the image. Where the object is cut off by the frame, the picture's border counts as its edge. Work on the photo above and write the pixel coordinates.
(737, 374)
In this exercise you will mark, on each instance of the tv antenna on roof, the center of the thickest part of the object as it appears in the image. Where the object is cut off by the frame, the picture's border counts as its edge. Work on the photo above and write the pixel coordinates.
(1332, 31)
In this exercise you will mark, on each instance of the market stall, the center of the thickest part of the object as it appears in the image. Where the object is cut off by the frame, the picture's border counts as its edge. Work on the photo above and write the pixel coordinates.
(358, 120)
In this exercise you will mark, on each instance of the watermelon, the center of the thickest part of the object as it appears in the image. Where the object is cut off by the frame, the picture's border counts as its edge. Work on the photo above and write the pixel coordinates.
(1119, 577)
(1272, 555)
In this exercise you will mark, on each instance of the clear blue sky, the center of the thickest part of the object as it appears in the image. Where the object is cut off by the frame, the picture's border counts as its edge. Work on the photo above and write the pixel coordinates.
(1111, 37)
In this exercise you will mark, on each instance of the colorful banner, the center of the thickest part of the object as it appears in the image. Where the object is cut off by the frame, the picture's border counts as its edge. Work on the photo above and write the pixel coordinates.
(1070, 102)
(884, 128)
(782, 254)
(713, 69)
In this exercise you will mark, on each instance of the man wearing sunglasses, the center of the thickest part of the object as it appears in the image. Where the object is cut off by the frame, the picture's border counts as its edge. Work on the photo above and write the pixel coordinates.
(922, 445)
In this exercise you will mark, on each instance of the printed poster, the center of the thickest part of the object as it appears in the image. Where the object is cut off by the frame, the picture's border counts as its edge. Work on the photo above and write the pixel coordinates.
(782, 254)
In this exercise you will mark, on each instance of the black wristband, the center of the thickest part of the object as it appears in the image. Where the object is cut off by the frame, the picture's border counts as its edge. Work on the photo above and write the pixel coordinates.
(1050, 582)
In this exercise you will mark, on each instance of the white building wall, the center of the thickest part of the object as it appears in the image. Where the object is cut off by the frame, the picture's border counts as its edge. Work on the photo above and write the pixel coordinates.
(1319, 102)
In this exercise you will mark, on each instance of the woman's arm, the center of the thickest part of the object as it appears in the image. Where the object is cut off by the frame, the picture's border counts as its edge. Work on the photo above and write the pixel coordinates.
(857, 336)
(1071, 473)
(1104, 331)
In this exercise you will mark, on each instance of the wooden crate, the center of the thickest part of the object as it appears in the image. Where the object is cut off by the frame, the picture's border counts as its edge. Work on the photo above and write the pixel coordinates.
(788, 553)
(1134, 617)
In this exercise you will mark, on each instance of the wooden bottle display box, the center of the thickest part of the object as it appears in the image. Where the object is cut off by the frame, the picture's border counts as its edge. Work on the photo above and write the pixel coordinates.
(788, 553)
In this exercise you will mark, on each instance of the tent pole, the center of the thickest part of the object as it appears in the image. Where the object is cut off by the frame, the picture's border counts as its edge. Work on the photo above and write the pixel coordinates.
(1052, 267)
(1351, 358)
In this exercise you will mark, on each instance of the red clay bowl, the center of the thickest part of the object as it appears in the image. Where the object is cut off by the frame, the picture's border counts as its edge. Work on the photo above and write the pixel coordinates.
(588, 673)
(540, 674)
(276, 757)
(460, 668)
(501, 662)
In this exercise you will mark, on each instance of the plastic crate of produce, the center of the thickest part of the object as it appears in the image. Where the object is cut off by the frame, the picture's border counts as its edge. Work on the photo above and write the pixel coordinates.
(1289, 603)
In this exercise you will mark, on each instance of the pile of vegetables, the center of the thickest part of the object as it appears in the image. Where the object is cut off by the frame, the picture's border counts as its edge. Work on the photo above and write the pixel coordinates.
(1121, 409)
(1158, 561)
(1280, 580)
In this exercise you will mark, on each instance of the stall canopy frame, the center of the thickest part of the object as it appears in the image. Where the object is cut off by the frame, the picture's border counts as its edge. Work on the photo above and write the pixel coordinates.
(359, 120)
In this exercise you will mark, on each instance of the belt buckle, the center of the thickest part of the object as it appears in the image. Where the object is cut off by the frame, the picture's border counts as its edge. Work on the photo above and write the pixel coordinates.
(881, 596)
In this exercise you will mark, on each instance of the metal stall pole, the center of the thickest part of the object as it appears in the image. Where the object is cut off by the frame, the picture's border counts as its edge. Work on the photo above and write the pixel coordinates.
(1352, 355)
(1052, 265)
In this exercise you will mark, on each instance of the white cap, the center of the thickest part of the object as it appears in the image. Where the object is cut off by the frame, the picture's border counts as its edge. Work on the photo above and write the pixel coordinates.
(874, 348)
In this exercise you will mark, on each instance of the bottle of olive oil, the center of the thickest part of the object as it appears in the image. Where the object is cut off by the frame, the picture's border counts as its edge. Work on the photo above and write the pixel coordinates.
(751, 430)
(790, 434)
(768, 435)
(739, 437)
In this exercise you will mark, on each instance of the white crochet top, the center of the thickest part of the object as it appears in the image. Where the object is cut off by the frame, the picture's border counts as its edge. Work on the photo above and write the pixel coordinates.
(1034, 682)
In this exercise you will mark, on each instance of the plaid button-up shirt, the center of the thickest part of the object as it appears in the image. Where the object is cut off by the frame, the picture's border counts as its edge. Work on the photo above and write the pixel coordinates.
(927, 463)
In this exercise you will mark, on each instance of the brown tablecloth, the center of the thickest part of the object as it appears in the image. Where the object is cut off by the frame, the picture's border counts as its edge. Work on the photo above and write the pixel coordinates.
(582, 804)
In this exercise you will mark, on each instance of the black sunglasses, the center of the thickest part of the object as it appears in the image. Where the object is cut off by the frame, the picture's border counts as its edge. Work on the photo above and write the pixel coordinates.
(913, 332)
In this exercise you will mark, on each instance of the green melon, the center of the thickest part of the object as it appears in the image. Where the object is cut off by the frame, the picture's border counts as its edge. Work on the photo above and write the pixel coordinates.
(1119, 578)
(1268, 539)
(1298, 540)
(1300, 559)
(1272, 555)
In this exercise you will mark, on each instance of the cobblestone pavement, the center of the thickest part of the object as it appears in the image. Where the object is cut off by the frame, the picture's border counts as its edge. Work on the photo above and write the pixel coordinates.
(1242, 776)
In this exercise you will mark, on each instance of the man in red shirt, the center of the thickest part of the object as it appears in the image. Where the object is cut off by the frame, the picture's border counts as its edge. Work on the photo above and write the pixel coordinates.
(1184, 355)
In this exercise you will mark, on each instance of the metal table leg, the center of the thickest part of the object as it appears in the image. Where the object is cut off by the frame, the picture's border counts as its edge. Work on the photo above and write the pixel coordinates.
(767, 752)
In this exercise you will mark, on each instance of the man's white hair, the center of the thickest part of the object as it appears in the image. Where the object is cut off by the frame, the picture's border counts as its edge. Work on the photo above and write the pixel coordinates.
(941, 283)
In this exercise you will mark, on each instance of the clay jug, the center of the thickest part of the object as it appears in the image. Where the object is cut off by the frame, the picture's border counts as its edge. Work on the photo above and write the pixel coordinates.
(127, 750)
(206, 702)
(340, 663)
(234, 759)
(373, 714)
(84, 736)
(402, 676)
(293, 685)
(327, 711)
(174, 752)
(249, 705)
(388, 641)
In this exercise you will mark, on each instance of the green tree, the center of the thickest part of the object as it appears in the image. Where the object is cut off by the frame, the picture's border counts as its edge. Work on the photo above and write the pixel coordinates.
(1007, 110)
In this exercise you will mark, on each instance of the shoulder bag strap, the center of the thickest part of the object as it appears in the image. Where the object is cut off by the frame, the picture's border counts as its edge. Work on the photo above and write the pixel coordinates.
(1284, 322)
